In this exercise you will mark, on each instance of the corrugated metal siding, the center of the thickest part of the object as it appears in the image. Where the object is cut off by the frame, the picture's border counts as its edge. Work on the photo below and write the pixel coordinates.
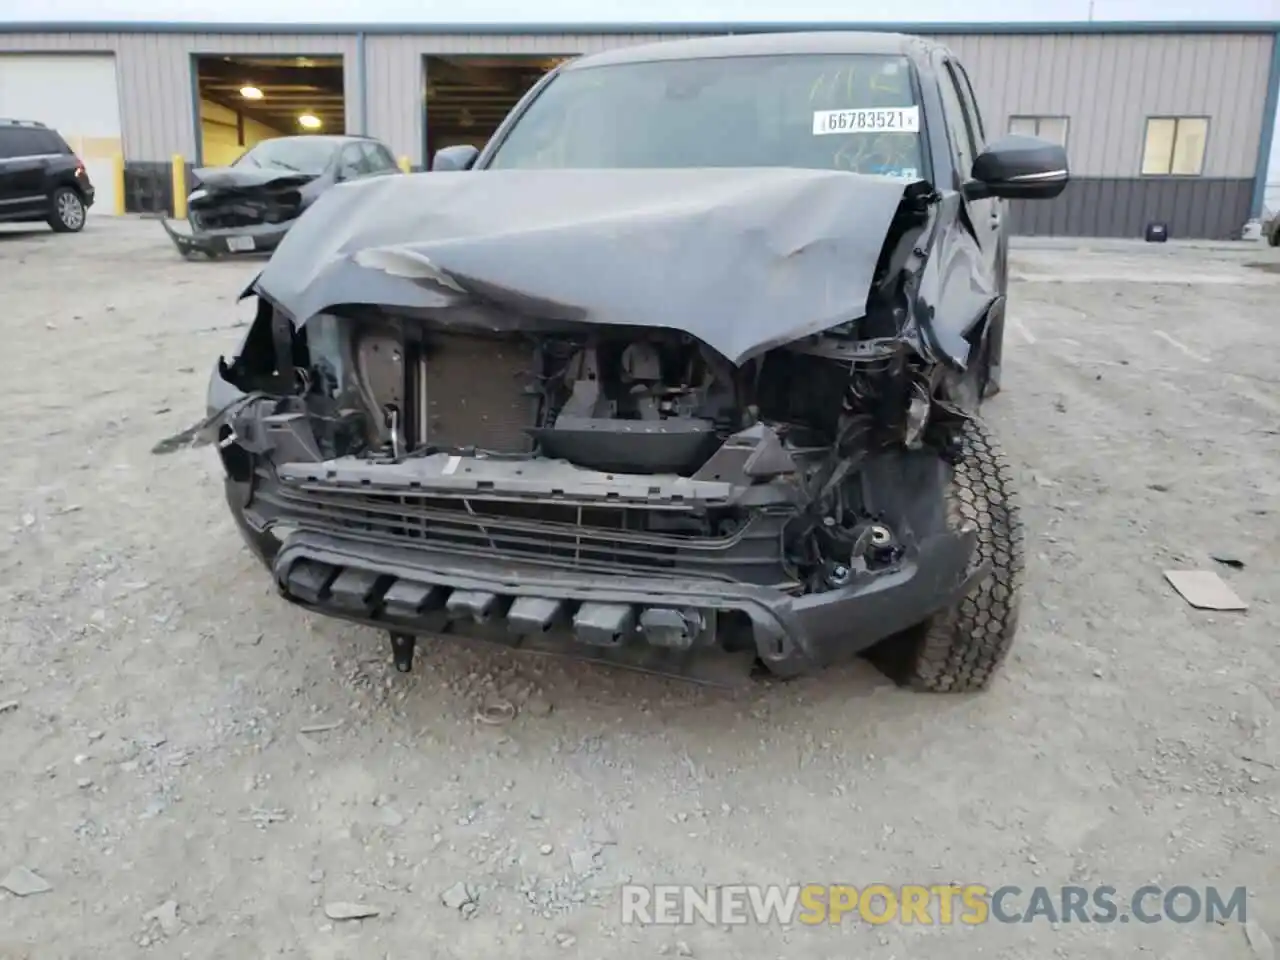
(1109, 84)
(1193, 207)
(154, 74)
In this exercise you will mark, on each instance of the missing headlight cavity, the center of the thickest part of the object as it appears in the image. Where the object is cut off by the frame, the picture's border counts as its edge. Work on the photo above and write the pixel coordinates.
(235, 459)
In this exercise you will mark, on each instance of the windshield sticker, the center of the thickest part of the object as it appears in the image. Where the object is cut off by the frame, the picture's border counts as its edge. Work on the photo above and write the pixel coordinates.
(868, 120)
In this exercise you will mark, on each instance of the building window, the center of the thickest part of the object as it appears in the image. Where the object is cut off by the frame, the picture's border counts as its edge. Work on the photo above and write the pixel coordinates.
(1047, 128)
(1174, 146)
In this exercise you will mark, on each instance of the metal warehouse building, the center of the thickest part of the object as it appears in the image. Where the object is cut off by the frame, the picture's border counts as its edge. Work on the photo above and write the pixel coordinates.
(1161, 121)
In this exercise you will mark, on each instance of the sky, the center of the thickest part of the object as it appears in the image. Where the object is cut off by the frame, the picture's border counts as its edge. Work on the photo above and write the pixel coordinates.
(425, 12)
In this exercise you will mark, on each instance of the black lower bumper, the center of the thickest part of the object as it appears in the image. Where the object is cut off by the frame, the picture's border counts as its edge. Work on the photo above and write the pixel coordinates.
(681, 627)
(263, 238)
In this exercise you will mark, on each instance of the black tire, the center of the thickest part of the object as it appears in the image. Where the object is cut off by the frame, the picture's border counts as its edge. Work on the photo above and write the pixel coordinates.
(960, 650)
(1274, 239)
(67, 211)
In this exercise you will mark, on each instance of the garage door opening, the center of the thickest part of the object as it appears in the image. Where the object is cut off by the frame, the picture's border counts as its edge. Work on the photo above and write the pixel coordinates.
(76, 95)
(247, 99)
(467, 97)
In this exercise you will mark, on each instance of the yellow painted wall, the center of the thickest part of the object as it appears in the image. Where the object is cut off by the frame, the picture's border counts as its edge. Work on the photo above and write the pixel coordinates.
(219, 138)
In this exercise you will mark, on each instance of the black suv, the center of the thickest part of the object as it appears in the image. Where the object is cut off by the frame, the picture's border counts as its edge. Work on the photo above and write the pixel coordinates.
(41, 178)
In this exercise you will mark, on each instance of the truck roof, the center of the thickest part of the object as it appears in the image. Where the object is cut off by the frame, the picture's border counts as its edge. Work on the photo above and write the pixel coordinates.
(763, 45)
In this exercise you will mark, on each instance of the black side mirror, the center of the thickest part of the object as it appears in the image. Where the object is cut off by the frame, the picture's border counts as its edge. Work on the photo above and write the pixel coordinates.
(460, 157)
(1015, 167)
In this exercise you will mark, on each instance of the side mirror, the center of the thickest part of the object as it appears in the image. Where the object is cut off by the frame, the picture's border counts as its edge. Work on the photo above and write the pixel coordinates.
(460, 157)
(1015, 167)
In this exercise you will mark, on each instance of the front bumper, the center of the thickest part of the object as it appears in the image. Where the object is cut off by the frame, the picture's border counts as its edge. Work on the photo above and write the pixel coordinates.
(262, 238)
(706, 627)
(675, 626)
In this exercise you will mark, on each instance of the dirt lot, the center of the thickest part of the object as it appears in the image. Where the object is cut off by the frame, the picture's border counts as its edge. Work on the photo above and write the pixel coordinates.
(157, 690)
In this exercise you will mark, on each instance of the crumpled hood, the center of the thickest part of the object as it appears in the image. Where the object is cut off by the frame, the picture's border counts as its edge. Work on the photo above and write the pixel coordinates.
(742, 259)
(233, 178)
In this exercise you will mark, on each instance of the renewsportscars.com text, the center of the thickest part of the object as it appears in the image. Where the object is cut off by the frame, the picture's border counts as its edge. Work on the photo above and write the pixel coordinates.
(941, 905)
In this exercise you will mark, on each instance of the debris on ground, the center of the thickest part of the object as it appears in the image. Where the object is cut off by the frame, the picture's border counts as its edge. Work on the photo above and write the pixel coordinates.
(496, 712)
(344, 910)
(582, 862)
(1204, 590)
(166, 915)
(1259, 941)
(25, 882)
(538, 706)
(321, 727)
(462, 898)
(8, 705)
(1226, 561)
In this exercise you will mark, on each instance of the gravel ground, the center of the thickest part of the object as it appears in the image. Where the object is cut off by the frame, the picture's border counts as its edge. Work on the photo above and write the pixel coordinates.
(156, 773)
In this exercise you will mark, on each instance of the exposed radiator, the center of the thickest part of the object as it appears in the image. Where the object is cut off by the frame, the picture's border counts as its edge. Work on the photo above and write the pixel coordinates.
(474, 392)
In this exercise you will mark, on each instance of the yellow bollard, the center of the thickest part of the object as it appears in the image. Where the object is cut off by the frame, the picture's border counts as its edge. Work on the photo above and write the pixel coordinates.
(117, 177)
(179, 187)
(404, 164)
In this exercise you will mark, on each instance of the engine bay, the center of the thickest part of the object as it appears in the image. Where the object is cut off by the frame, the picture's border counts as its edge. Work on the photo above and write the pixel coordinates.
(636, 402)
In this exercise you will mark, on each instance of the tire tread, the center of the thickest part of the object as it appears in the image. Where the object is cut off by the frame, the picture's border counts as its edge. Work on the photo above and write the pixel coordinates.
(960, 650)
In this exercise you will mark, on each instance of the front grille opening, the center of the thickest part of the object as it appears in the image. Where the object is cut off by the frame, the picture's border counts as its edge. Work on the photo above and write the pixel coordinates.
(604, 537)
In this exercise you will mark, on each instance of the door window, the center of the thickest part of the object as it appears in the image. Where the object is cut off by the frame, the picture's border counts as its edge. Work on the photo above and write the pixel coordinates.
(352, 164)
(378, 159)
(8, 143)
(963, 148)
(971, 102)
(28, 142)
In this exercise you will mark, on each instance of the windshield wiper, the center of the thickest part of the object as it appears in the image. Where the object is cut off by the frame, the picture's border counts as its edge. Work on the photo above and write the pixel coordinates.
(287, 166)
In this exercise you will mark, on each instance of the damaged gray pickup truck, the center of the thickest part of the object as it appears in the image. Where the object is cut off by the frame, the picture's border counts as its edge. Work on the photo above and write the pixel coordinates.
(679, 373)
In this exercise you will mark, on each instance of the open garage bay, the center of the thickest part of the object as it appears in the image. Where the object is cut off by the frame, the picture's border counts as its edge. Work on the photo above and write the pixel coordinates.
(194, 767)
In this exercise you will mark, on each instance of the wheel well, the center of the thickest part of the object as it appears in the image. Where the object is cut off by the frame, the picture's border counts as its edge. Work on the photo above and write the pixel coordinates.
(66, 179)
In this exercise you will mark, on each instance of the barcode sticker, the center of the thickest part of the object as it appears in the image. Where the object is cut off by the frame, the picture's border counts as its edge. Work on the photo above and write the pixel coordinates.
(867, 120)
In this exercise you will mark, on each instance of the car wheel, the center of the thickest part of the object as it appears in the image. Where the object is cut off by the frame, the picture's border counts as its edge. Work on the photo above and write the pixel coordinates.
(68, 211)
(961, 649)
(1274, 239)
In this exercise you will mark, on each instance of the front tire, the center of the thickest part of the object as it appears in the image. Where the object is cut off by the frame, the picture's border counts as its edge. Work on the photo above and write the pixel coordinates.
(1274, 239)
(68, 213)
(961, 649)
